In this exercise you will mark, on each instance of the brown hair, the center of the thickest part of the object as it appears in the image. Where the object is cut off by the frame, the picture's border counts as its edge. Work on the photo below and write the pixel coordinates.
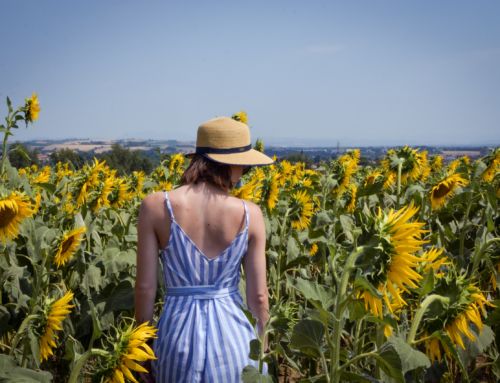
(201, 169)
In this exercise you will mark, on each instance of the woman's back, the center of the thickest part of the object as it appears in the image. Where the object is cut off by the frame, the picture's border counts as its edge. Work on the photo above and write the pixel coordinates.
(209, 218)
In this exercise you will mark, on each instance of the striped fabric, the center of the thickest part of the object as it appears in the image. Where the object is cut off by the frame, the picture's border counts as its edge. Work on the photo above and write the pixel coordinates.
(203, 335)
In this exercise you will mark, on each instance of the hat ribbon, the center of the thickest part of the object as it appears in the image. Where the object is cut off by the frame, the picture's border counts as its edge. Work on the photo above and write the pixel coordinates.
(207, 149)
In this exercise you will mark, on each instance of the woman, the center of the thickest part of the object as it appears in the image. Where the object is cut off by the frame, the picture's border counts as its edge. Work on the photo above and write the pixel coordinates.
(203, 235)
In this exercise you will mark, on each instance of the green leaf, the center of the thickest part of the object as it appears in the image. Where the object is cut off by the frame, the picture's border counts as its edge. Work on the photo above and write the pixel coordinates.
(254, 349)
(292, 249)
(10, 372)
(93, 278)
(353, 377)
(307, 337)
(313, 291)
(322, 218)
(4, 319)
(410, 358)
(250, 374)
(347, 224)
(427, 285)
(50, 188)
(389, 361)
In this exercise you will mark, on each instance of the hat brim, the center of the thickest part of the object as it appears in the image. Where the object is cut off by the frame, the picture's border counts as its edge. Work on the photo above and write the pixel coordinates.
(251, 157)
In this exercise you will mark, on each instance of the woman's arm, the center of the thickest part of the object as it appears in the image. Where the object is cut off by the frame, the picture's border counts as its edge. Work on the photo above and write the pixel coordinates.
(147, 263)
(254, 265)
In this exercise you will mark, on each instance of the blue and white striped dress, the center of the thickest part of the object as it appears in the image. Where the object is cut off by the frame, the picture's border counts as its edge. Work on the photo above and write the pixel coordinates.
(203, 335)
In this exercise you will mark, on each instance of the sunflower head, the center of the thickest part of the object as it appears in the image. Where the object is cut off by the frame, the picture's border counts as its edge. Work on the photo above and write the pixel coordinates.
(444, 189)
(14, 208)
(390, 263)
(302, 209)
(459, 320)
(55, 312)
(271, 189)
(241, 116)
(31, 108)
(68, 245)
(492, 162)
(175, 163)
(373, 177)
(130, 349)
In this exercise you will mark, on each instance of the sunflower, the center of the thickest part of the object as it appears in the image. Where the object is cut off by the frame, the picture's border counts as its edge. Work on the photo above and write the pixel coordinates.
(471, 313)
(56, 312)
(69, 204)
(351, 192)
(271, 189)
(437, 163)
(62, 170)
(252, 189)
(43, 176)
(68, 245)
(433, 260)
(131, 348)
(412, 165)
(121, 194)
(313, 249)
(425, 168)
(163, 186)
(88, 179)
(137, 183)
(302, 210)
(445, 189)
(175, 164)
(343, 169)
(462, 317)
(13, 210)
(372, 177)
(493, 165)
(38, 201)
(31, 108)
(391, 262)
(390, 180)
(241, 116)
(458, 165)
(105, 189)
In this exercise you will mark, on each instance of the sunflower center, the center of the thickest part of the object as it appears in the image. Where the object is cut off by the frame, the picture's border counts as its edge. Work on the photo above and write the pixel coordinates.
(7, 215)
(441, 191)
(66, 244)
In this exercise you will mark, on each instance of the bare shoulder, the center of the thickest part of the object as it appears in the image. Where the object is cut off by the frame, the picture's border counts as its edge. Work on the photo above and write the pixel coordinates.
(254, 210)
(152, 202)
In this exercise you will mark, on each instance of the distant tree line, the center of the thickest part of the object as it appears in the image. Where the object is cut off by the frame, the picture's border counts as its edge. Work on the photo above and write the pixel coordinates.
(120, 158)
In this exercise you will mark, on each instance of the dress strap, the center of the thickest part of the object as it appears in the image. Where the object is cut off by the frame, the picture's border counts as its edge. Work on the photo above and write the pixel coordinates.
(247, 219)
(169, 207)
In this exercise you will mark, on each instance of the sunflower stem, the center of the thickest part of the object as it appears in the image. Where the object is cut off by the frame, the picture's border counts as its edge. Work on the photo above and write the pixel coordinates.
(80, 362)
(400, 168)
(420, 314)
(339, 313)
(464, 228)
(282, 239)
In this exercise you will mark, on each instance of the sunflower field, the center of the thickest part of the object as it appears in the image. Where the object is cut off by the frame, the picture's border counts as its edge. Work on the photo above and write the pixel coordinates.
(375, 274)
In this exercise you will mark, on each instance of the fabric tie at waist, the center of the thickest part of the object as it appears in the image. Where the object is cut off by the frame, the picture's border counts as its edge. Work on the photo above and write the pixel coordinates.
(201, 292)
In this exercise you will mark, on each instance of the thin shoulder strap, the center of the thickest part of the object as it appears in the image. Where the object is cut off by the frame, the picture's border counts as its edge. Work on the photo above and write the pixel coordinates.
(247, 219)
(169, 207)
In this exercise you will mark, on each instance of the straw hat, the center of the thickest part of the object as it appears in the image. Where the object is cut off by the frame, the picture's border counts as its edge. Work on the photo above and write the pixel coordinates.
(227, 141)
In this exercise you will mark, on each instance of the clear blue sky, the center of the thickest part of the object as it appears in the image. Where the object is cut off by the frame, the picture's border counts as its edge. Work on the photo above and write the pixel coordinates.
(307, 72)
